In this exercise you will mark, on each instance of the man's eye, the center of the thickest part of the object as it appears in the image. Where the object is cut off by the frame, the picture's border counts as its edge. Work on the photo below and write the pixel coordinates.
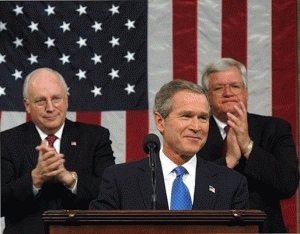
(56, 99)
(218, 88)
(39, 102)
(185, 116)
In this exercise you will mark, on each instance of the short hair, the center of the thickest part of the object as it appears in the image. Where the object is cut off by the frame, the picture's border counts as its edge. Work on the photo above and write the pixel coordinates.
(30, 75)
(223, 65)
(163, 99)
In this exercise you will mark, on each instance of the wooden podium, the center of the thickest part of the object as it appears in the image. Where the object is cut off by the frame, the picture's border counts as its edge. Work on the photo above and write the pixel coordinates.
(132, 222)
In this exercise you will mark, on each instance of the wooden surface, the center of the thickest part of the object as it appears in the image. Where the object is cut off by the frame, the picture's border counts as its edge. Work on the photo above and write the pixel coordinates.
(73, 221)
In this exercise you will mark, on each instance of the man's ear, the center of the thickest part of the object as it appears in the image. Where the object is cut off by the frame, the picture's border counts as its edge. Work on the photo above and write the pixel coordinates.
(159, 122)
(27, 106)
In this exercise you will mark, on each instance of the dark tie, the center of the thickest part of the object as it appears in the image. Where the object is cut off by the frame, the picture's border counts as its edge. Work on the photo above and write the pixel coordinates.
(180, 197)
(224, 147)
(51, 139)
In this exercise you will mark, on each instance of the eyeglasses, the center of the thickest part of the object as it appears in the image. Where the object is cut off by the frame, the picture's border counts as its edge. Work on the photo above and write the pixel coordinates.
(43, 101)
(235, 88)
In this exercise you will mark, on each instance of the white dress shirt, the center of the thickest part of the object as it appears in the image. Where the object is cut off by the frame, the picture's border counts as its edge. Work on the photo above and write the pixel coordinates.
(221, 127)
(58, 134)
(169, 175)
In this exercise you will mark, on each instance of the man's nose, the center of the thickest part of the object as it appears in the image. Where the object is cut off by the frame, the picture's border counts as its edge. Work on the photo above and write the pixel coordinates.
(49, 105)
(195, 124)
(227, 90)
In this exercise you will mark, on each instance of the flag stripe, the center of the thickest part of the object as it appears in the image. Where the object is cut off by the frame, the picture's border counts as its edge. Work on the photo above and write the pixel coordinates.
(10, 119)
(284, 85)
(185, 40)
(136, 129)
(160, 47)
(209, 33)
(115, 122)
(259, 57)
(89, 117)
(234, 30)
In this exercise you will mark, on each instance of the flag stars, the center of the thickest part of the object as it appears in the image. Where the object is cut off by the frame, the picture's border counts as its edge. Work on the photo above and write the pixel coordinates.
(130, 24)
(65, 26)
(81, 42)
(2, 26)
(33, 26)
(129, 89)
(114, 9)
(114, 74)
(50, 10)
(114, 41)
(2, 91)
(18, 42)
(81, 74)
(65, 59)
(50, 42)
(2, 58)
(81, 10)
(18, 10)
(17, 74)
(33, 59)
(129, 56)
(96, 91)
(97, 59)
(97, 26)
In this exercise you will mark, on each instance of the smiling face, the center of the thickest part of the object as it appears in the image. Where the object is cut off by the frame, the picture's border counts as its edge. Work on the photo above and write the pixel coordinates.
(185, 129)
(47, 101)
(225, 90)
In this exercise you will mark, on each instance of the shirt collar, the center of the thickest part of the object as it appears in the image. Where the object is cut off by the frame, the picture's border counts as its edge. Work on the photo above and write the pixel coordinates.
(168, 165)
(43, 135)
(221, 127)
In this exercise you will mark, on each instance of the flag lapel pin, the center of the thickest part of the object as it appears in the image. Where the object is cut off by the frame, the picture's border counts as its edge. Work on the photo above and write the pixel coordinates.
(211, 189)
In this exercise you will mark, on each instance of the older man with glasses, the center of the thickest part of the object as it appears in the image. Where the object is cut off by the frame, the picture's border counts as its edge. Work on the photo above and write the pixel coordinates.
(50, 162)
(259, 147)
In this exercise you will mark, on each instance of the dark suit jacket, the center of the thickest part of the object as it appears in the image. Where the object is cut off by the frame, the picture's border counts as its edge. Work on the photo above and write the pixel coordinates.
(88, 157)
(272, 168)
(129, 187)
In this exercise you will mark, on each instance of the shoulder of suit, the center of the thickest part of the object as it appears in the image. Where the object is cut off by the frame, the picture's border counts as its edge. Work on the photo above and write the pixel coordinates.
(267, 120)
(85, 126)
(130, 166)
(219, 169)
(19, 129)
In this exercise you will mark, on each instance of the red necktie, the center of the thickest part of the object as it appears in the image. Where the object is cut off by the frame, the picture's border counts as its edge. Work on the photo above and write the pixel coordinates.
(224, 148)
(51, 139)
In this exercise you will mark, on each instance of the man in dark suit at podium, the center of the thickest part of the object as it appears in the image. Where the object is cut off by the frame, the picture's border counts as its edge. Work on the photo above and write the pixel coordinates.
(259, 147)
(50, 162)
(183, 181)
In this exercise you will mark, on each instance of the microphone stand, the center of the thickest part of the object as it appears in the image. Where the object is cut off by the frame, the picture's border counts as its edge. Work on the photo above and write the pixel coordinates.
(152, 162)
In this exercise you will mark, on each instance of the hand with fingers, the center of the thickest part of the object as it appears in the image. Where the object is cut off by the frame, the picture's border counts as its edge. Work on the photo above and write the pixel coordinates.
(239, 124)
(233, 152)
(50, 164)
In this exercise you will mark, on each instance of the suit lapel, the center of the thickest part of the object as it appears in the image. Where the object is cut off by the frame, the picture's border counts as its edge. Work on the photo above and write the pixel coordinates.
(205, 187)
(69, 144)
(145, 185)
(31, 140)
(254, 128)
(214, 142)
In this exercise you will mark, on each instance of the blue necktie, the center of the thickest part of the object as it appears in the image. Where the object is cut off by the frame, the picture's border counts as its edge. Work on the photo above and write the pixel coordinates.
(180, 197)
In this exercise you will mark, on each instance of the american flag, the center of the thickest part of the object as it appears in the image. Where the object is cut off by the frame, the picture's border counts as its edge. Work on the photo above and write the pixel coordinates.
(124, 51)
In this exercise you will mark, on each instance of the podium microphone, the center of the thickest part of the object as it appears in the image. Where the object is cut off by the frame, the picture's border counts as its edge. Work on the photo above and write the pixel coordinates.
(151, 146)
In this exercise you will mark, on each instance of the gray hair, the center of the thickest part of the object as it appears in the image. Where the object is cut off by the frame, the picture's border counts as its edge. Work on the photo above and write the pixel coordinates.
(30, 75)
(163, 99)
(223, 65)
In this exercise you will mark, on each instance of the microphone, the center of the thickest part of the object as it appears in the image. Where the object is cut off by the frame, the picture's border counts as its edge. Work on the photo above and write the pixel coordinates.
(151, 146)
(151, 141)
